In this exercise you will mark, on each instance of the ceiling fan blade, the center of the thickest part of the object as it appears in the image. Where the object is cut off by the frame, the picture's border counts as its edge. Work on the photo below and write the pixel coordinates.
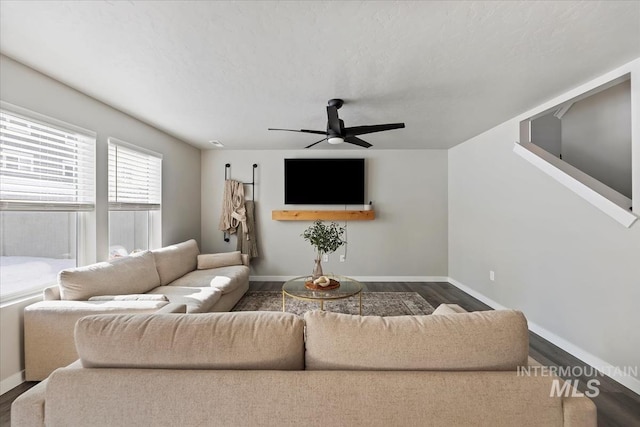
(357, 141)
(318, 132)
(333, 121)
(361, 130)
(317, 142)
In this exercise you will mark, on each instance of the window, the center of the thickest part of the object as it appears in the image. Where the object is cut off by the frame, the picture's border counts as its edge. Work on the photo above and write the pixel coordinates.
(47, 185)
(135, 177)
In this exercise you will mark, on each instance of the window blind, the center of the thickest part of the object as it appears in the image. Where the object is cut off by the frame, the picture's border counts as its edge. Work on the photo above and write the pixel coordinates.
(135, 178)
(45, 166)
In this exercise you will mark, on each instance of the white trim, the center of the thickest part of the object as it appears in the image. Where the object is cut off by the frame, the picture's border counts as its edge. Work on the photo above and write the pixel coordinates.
(599, 195)
(11, 382)
(560, 112)
(139, 207)
(46, 120)
(46, 207)
(116, 141)
(631, 383)
(21, 297)
(361, 278)
(563, 107)
(609, 78)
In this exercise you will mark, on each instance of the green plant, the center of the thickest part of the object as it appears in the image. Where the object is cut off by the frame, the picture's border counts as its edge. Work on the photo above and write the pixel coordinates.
(325, 238)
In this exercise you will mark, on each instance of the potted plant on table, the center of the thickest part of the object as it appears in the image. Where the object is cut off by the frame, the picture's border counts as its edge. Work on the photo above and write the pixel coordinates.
(325, 239)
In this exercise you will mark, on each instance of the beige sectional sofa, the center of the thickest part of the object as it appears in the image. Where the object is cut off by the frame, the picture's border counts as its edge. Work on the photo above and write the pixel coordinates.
(276, 369)
(175, 278)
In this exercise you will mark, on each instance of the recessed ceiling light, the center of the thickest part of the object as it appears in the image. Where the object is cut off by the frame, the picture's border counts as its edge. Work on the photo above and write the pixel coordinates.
(216, 143)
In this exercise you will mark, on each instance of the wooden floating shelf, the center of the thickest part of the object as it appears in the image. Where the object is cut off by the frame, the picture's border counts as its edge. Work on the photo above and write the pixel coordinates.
(323, 215)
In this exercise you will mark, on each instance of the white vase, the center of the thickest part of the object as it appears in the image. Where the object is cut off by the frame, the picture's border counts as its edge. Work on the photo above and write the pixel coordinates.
(317, 269)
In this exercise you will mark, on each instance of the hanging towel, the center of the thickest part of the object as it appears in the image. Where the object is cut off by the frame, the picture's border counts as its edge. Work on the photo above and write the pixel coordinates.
(233, 207)
(247, 242)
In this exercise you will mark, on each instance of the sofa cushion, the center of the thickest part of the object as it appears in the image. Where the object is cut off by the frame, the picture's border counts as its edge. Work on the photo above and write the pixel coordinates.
(206, 261)
(176, 260)
(227, 279)
(486, 340)
(239, 340)
(130, 297)
(134, 274)
(197, 300)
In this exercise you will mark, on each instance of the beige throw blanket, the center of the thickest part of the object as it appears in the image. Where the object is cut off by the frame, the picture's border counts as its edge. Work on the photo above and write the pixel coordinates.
(233, 208)
(247, 242)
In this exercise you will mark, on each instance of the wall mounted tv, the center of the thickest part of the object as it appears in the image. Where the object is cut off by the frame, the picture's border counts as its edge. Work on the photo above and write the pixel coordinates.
(324, 181)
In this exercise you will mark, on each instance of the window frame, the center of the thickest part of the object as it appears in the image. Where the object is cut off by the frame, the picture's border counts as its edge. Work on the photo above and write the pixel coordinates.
(85, 211)
(154, 209)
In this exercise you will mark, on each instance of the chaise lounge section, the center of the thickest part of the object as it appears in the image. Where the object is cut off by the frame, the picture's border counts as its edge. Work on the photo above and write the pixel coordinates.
(172, 279)
(276, 369)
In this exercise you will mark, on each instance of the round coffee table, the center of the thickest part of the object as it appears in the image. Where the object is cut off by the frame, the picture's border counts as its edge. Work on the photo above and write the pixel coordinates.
(295, 288)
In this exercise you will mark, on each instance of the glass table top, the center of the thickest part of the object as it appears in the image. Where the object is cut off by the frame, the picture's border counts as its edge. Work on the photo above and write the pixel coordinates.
(296, 288)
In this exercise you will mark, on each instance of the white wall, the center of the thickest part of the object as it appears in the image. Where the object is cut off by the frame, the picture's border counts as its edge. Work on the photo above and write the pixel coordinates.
(574, 271)
(596, 137)
(25, 87)
(546, 133)
(408, 238)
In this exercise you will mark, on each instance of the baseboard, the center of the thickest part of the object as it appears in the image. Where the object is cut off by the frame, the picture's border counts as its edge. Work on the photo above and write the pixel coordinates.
(401, 278)
(630, 382)
(477, 295)
(270, 278)
(615, 374)
(11, 382)
(360, 278)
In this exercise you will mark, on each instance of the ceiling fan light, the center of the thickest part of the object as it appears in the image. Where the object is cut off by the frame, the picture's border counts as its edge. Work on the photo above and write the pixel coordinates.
(335, 140)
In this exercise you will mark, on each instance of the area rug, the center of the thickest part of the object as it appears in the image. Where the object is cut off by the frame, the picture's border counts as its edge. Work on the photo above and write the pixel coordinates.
(373, 304)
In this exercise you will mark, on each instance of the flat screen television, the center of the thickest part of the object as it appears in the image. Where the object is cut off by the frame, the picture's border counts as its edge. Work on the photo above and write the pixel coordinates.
(324, 181)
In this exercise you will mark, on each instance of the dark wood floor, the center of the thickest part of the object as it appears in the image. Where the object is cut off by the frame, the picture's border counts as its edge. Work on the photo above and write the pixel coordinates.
(617, 405)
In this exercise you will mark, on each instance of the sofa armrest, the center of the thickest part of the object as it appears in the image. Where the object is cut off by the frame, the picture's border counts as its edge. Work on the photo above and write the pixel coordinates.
(28, 408)
(245, 259)
(49, 326)
(579, 412)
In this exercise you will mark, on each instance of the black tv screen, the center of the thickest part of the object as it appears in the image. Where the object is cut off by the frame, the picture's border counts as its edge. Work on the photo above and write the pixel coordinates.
(324, 181)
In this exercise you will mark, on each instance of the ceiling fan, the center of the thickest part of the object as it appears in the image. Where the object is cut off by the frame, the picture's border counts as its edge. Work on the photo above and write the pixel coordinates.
(336, 133)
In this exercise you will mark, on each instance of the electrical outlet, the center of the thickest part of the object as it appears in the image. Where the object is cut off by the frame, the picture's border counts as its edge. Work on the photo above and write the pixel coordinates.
(492, 275)
(325, 258)
(342, 258)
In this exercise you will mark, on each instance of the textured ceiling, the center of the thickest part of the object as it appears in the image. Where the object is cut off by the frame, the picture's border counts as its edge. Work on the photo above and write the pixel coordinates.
(203, 70)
